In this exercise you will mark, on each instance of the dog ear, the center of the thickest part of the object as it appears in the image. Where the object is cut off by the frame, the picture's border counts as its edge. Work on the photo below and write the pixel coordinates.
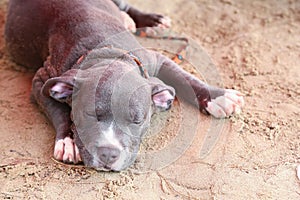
(162, 94)
(60, 88)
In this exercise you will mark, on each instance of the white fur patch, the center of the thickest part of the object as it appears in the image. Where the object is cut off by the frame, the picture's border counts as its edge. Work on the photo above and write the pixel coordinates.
(59, 150)
(128, 22)
(165, 22)
(66, 150)
(117, 166)
(215, 110)
(69, 150)
(223, 106)
(110, 139)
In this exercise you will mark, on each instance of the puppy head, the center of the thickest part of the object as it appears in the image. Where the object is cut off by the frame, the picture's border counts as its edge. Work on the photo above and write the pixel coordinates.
(111, 111)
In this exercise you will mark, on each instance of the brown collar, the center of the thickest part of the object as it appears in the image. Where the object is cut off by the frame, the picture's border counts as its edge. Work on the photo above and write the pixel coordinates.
(142, 69)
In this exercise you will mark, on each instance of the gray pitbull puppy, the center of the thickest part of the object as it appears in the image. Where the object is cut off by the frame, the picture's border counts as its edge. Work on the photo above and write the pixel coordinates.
(95, 83)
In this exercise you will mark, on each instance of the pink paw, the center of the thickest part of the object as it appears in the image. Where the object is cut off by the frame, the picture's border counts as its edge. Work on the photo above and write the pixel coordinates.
(165, 22)
(224, 106)
(158, 30)
(128, 22)
(66, 150)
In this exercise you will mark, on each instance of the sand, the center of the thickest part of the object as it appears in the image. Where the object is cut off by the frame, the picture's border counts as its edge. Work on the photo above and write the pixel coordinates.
(255, 47)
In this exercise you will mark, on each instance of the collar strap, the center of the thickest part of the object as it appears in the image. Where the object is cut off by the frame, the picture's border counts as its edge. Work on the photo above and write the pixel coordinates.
(142, 69)
(181, 52)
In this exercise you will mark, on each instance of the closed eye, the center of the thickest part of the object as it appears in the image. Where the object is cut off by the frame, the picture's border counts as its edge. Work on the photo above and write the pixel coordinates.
(138, 118)
(102, 114)
(90, 114)
(138, 122)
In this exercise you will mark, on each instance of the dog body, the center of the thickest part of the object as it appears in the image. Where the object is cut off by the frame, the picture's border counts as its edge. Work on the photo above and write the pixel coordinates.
(92, 79)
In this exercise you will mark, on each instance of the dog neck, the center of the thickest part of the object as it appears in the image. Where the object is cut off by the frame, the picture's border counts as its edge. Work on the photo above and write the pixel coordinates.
(138, 62)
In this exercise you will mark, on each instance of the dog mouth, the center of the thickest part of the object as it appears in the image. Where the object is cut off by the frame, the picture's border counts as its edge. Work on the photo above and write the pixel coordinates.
(105, 168)
(107, 156)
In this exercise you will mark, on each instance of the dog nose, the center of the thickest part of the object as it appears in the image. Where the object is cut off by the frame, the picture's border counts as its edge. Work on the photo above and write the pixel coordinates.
(109, 155)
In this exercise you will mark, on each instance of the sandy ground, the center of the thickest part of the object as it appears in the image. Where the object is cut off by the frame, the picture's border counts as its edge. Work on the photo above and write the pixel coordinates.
(256, 46)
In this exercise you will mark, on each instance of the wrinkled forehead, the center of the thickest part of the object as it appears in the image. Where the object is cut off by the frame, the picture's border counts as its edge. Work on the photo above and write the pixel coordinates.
(116, 88)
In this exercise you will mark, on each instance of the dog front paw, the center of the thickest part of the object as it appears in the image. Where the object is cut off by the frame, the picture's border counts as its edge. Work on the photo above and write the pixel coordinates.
(65, 150)
(128, 22)
(164, 22)
(224, 106)
(152, 20)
